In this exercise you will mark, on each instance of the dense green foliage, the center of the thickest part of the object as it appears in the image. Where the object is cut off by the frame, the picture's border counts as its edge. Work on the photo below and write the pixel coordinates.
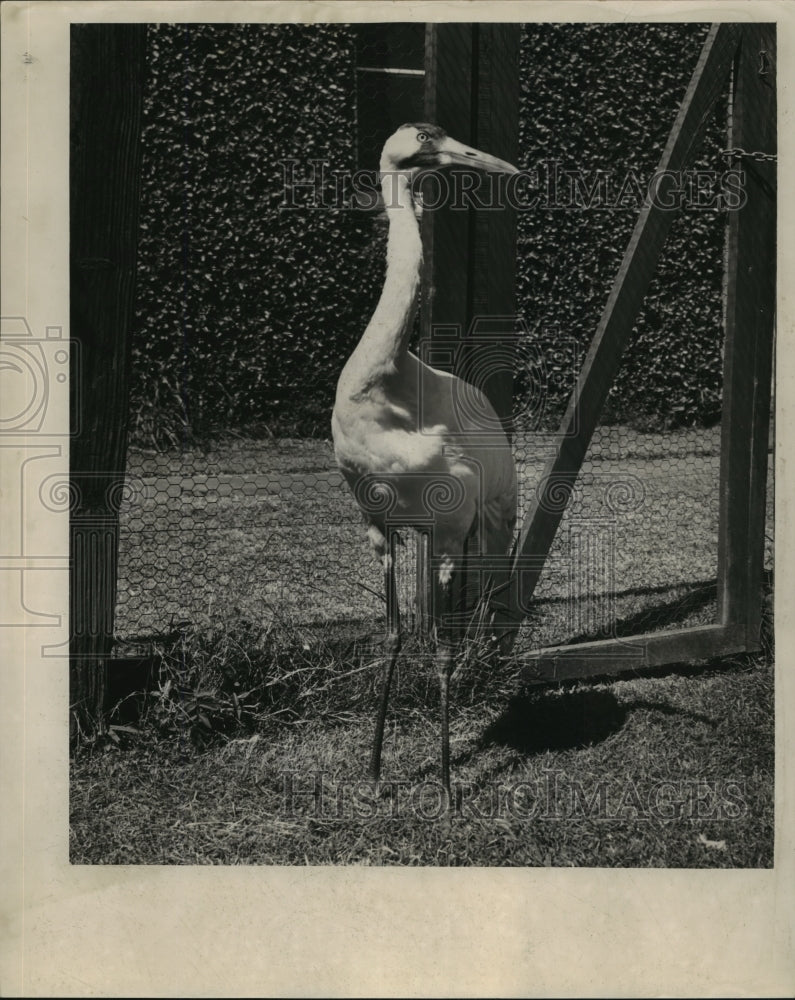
(247, 310)
(602, 98)
(244, 309)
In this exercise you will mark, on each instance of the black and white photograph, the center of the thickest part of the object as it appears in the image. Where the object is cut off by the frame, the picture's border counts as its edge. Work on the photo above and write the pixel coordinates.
(410, 436)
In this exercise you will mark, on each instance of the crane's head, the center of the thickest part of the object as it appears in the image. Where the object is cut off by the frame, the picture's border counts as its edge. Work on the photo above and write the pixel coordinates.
(420, 146)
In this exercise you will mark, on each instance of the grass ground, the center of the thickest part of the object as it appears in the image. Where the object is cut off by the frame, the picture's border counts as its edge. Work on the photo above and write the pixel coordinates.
(673, 771)
(252, 746)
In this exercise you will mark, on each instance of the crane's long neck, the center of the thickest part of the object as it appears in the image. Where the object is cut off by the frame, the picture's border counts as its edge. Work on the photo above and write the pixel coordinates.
(387, 335)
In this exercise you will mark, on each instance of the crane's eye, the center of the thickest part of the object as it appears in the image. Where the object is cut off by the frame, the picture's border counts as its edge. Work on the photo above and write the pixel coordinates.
(422, 137)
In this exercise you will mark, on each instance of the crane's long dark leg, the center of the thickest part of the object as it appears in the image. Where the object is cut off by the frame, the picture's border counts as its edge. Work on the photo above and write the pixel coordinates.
(392, 645)
(445, 639)
(423, 582)
(451, 630)
(463, 609)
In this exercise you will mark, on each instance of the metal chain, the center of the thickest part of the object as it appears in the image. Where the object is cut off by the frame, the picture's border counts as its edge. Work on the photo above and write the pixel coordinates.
(738, 153)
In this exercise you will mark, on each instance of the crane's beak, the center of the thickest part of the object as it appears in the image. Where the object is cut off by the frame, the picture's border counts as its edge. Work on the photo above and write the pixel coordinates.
(451, 151)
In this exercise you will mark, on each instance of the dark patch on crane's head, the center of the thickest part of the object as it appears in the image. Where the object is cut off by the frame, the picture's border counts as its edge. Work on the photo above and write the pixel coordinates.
(412, 146)
(431, 131)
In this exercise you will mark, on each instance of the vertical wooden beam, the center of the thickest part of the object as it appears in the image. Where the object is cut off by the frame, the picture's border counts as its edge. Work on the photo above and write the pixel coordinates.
(469, 279)
(634, 275)
(106, 77)
(472, 91)
(748, 356)
(444, 304)
(449, 100)
(494, 240)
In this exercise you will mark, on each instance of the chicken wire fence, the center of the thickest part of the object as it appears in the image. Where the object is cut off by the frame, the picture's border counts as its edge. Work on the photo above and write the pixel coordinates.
(637, 543)
(266, 528)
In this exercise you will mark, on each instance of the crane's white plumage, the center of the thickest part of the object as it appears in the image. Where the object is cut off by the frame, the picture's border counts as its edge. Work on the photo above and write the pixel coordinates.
(396, 417)
(410, 421)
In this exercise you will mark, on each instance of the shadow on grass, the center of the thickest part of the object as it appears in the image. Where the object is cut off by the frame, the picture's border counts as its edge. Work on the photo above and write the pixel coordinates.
(661, 616)
(657, 617)
(574, 719)
(533, 724)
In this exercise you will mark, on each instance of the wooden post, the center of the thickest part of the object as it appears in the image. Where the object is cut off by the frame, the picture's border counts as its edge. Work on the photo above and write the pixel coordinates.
(106, 76)
(750, 314)
(615, 325)
(446, 233)
(468, 311)
(472, 91)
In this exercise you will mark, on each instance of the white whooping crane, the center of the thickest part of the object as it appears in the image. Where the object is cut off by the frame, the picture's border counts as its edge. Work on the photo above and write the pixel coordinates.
(397, 418)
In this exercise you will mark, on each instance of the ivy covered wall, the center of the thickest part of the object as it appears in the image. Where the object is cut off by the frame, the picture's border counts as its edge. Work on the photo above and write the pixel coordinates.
(246, 310)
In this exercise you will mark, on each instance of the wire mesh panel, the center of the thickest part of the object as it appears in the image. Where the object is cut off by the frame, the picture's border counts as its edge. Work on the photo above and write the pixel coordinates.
(256, 275)
(258, 530)
(637, 547)
(262, 523)
(244, 334)
(638, 542)
(261, 527)
(254, 530)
